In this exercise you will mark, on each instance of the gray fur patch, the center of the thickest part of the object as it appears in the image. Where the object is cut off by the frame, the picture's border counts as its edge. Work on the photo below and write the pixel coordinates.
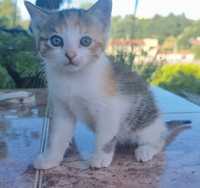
(143, 113)
(129, 82)
(144, 110)
(110, 146)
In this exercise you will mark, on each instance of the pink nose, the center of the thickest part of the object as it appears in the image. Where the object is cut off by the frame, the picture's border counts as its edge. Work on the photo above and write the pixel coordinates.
(70, 55)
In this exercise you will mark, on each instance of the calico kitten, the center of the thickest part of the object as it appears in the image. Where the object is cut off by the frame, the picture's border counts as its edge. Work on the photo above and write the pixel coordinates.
(83, 84)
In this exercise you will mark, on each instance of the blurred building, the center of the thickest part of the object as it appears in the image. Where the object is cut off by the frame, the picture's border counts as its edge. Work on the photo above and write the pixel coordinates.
(196, 42)
(174, 57)
(148, 50)
(144, 49)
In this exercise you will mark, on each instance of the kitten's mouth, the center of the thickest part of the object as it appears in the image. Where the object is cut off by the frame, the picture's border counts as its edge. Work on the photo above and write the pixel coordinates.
(71, 63)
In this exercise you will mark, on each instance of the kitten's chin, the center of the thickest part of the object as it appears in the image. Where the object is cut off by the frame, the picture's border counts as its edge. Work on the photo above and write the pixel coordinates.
(71, 68)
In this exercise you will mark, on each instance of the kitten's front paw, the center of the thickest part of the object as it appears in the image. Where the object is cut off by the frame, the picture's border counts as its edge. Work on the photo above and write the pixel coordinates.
(45, 161)
(101, 161)
(145, 153)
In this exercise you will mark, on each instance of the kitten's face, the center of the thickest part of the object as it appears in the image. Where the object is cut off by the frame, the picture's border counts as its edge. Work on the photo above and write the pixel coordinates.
(71, 39)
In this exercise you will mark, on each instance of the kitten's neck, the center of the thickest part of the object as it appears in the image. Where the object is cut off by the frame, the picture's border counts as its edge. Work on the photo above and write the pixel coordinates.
(97, 67)
(84, 82)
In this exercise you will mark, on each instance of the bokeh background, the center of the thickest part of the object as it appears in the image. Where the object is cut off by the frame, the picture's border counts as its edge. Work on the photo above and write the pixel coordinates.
(158, 39)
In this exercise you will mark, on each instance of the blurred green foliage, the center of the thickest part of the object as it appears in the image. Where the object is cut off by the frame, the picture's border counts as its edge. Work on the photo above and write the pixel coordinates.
(5, 80)
(19, 65)
(124, 58)
(196, 51)
(146, 70)
(158, 27)
(17, 59)
(178, 78)
(174, 32)
(190, 32)
(20, 68)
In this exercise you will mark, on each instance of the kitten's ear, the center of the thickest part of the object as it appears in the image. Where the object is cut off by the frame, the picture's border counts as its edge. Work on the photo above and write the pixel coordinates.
(38, 15)
(102, 9)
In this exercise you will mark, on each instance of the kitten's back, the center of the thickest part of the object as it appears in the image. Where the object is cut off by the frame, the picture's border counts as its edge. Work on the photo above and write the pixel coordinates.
(143, 110)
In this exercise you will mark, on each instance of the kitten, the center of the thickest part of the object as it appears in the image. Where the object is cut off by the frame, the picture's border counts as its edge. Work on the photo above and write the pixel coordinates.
(83, 84)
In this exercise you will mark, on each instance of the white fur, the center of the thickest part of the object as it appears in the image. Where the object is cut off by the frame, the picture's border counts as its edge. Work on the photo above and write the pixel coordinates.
(80, 95)
(76, 91)
(150, 140)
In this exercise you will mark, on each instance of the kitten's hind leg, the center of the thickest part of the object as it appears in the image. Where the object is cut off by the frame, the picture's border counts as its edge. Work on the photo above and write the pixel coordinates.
(60, 135)
(150, 140)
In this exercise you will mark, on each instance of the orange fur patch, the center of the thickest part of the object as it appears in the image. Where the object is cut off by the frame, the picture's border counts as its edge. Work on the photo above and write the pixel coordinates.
(44, 48)
(95, 48)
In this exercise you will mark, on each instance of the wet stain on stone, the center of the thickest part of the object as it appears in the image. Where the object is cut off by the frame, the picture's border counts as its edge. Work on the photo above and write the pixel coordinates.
(35, 135)
(3, 150)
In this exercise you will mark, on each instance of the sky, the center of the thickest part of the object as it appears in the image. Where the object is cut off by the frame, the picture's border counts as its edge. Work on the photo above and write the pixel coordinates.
(146, 8)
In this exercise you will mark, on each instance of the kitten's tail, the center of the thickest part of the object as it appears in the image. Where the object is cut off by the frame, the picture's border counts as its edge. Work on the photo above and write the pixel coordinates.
(175, 127)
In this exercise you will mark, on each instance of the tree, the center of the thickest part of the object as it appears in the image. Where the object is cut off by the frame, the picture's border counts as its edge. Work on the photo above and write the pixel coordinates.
(188, 33)
(5, 80)
(169, 44)
(196, 51)
(159, 27)
(119, 29)
(19, 63)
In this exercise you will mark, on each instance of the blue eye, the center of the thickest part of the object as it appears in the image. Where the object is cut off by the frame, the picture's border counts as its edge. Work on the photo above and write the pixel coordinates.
(56, 41)
(85, 41)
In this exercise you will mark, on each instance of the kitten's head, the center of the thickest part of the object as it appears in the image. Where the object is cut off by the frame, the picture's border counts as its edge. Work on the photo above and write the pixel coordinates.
(74, 38)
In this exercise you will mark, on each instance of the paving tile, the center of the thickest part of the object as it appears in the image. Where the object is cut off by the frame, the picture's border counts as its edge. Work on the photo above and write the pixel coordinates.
(20, 131)
(177, 166)
(171, 103)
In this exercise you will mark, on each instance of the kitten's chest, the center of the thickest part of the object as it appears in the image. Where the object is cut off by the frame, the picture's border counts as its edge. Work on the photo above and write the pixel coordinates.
(83, 99)
(83, 109)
